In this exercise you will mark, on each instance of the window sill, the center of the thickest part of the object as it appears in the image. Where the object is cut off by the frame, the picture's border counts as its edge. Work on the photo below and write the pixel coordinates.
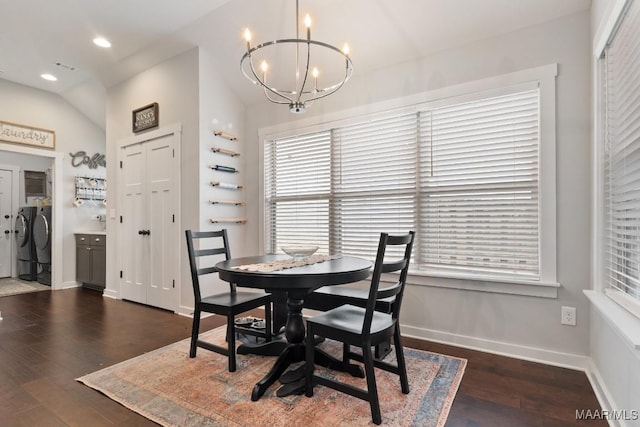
(623, 322)
(510, 287)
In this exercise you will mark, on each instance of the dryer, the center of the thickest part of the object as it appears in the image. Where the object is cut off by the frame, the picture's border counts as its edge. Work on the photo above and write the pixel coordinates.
(42, 242)
(27, 258)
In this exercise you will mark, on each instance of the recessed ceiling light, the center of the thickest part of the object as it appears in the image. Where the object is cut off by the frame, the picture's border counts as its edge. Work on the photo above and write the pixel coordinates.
(49, 77)
(102, 42)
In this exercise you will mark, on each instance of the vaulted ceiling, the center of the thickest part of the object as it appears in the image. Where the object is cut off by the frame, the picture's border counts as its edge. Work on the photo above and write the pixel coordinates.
(36, 35)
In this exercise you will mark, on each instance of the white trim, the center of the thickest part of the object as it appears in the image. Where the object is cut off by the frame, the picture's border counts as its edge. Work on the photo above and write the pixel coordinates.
(533, 354)
(600, 389)
(56, 197)
(71, 284)
(626, 325)
(607, 27)
(545, 75)
(15, 205)
(171, 129)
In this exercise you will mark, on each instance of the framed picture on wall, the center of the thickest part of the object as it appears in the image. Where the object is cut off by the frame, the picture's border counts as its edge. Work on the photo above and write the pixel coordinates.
(145, 117)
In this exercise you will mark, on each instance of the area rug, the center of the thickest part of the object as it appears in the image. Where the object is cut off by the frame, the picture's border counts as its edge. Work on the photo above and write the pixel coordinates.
(15, 286)
(169, 388)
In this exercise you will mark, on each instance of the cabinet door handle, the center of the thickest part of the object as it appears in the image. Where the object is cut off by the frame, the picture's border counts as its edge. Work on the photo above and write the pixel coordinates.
(88, 249)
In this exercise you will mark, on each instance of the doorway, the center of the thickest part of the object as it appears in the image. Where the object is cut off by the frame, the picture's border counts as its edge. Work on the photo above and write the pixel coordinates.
(55, 161)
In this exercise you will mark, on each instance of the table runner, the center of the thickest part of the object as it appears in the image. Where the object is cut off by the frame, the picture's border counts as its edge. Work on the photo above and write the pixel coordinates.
(267, 267)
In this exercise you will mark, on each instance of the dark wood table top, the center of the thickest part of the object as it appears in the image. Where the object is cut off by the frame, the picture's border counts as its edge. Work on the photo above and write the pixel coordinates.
(346, 269)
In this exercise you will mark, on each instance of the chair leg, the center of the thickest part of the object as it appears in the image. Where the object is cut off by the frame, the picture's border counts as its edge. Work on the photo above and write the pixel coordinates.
(195, 329)
(402, 367)
(267, 321)
(346, 348)
(309, 363)
(372, 388)
(231, 339)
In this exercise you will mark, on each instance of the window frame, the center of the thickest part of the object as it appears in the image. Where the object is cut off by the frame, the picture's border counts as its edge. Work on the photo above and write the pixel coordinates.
(545, 76)
(623, 303)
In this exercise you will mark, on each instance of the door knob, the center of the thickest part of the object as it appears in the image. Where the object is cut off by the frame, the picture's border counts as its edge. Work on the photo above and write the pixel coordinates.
(6, 217)
(7, 231)
(141, 232)
(146, 232)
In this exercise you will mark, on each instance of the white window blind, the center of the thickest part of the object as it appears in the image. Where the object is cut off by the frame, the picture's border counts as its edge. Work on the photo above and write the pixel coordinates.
(622, 156)
(479, 186)
(463, 175)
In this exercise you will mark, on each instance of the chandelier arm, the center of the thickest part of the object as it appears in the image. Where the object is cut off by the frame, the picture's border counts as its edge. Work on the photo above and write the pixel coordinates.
(328, 91)
(306, 73)
(275, 101)
(265, 86)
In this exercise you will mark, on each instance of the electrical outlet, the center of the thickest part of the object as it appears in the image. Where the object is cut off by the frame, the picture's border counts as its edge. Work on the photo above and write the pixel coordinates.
(568, 316)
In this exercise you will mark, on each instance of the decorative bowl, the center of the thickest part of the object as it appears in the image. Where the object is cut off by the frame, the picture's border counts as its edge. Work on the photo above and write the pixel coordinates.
(299, 251)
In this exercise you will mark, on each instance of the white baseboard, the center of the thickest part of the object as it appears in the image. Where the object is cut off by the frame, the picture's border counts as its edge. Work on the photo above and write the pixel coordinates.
(110, 293)
(71, 284)
(554, 358)
(602, 393)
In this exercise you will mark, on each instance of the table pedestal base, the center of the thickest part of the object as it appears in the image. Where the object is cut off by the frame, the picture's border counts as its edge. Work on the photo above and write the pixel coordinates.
(295, 379)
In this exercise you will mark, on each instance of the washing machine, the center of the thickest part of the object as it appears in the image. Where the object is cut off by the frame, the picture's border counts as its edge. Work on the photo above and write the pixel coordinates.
(42, 242)
(27, 257)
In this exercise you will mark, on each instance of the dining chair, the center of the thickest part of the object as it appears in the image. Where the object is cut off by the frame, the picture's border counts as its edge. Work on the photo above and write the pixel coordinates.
(364, 328)
(227, 304)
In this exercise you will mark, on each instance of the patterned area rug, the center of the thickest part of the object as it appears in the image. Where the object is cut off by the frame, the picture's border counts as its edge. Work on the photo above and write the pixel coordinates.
(171, 389)
(11, 286)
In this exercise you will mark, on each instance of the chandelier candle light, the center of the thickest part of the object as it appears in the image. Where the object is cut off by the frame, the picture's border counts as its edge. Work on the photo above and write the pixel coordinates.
(301, 91)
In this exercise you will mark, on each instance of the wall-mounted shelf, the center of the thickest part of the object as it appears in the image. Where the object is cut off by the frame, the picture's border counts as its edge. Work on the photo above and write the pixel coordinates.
(226, 135)
(231, 220)
(225, 151)
(221, 168)
(227, 202)
(90, 188)
(226, 185)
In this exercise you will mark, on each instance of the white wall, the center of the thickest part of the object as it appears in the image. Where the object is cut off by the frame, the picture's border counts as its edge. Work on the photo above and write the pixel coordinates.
(220, 109)
(173, 84)
(74, 132)
(522, 326)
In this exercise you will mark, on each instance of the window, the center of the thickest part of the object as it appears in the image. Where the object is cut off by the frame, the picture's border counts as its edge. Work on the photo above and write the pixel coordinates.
(463, 172)
(621, 161)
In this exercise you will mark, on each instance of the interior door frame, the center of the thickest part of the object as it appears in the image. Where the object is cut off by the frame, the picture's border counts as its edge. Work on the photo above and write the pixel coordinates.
(15, 201)
(56, 211)
(172, 129)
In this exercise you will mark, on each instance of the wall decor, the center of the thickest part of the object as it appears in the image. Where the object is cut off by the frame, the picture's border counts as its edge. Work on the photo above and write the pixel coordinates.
(27, 135)
(145, 117)
(81, 158)
(226, 135)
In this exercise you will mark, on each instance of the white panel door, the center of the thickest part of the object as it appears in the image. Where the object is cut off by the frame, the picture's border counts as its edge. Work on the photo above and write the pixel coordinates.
(150, 235)
(6, 223)
(161, 210)
(135, 256)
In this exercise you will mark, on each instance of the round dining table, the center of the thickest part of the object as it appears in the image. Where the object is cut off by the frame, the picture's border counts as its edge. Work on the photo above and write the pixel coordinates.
(296, 283)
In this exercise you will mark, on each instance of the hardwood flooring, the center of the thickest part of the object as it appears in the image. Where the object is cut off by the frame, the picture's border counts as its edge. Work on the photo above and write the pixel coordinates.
(47, 339)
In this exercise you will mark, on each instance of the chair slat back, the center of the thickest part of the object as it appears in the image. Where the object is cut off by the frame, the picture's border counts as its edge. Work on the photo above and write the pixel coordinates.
(194, 254)
(380, 266)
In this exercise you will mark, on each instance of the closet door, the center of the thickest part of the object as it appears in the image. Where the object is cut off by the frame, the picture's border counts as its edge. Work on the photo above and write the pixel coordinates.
(149, 230)
(133, 245)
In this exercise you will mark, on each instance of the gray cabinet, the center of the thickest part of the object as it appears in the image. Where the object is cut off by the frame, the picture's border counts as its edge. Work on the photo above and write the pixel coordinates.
(91, 260)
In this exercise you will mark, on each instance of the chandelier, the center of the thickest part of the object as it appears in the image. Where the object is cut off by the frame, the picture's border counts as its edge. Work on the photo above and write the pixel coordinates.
(303, 84)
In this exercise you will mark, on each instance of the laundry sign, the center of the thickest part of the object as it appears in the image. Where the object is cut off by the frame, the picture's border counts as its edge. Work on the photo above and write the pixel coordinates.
(27, 135)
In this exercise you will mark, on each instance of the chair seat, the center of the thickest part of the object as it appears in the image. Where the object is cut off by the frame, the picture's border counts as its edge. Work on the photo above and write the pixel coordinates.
(237, 298)
(349, 319)
(329, 297)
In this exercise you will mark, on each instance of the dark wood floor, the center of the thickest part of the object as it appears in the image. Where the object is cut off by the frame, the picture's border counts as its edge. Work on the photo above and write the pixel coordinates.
(47, 339)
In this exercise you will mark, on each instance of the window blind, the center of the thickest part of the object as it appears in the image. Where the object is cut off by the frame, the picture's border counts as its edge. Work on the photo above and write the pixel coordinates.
(297, 191)
(479, 204)
(463, 175)
(622, 156)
